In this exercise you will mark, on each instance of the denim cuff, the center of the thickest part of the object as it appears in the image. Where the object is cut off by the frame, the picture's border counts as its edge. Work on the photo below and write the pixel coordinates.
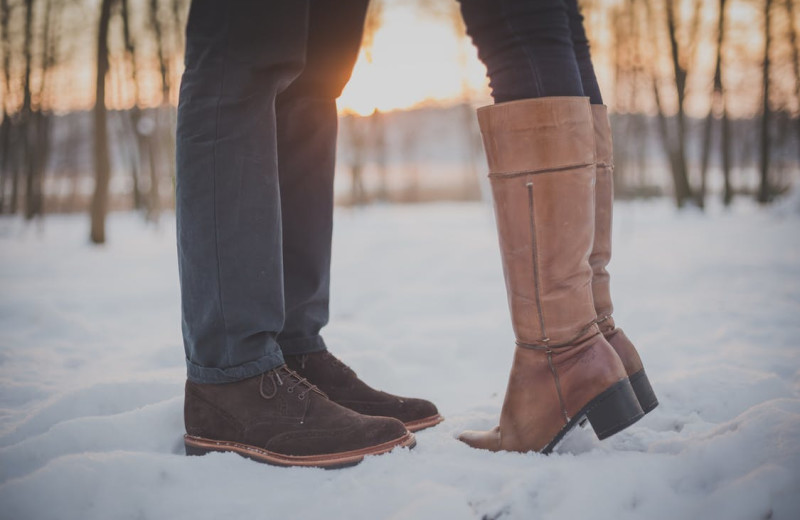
(297, 346)
(200, 374)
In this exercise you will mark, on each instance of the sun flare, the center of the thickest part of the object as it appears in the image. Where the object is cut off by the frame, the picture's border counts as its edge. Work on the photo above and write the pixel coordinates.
(413, 66)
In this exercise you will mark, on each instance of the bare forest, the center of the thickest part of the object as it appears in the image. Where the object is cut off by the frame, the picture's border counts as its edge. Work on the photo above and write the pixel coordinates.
(705, 97)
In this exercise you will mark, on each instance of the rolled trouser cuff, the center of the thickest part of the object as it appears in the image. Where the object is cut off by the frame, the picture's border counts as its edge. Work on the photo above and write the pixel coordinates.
(201, 374)
(306, 345)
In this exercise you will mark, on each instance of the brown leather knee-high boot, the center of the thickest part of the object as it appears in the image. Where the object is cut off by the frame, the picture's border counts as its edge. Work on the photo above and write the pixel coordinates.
(601, 255)
(541, 156)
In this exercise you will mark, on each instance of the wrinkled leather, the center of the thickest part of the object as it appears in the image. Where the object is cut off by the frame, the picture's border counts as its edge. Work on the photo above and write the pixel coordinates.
(532, 414)
(625, 350)
(541, 156)
(601, 248)
(274, 414)
(343, 386)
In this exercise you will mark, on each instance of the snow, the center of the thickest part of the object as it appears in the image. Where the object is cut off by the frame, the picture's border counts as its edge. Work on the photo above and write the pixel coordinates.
(91, 374)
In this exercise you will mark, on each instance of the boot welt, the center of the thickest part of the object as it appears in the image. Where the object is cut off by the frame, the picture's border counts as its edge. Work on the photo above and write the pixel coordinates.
(420, 424)
(610, 412)
(200, 446)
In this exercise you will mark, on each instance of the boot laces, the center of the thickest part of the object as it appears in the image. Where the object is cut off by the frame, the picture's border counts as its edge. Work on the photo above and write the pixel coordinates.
(296, 381)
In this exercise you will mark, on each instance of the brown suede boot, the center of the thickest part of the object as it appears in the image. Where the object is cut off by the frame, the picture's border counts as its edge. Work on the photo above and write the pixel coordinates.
(279, 418)
(601, 255)
(344, 387)
(542, 170)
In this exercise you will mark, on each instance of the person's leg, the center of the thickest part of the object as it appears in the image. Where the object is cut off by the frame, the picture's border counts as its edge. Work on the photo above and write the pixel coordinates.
(239, 395)
(539, 141)
(239, 56)
(582, 55)
(307, 128)
(526, 47)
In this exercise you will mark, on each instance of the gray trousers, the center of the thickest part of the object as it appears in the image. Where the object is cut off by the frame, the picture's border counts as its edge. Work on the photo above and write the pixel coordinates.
(256, 143)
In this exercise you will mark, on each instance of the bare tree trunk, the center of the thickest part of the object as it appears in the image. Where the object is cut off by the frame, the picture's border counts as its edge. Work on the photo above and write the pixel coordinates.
(725, 148)
(630, 134)
(408, 151)
(718, 106)
(163, 128)
(155, 22)
(39, 133)
(15, 174)
(795, 43)
(379, 149)
(28, 56)
(178, 25)
(725, 131)
(27, 134)
(5, 134)
(134, 114)
(639, 129)
(358, 144)
(620, 29)
(663, 127)
(674, 149)
(102, 165)
(706, 155)
(683, 191)
(5, 126)
(154, 155)
(7, 165)
(764, 192)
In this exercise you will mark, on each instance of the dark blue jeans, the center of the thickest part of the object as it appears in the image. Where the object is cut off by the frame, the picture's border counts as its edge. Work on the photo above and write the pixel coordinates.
(256, 143)
(532, 48)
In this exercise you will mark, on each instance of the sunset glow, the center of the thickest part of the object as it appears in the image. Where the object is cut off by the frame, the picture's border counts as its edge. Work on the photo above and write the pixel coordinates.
(414, 60)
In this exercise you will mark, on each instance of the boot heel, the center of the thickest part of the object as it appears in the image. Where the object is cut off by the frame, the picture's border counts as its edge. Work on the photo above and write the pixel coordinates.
(614, 410)
(644, 392)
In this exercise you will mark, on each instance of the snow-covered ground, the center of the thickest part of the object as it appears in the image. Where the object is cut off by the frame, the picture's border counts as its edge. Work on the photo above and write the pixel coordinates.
(91, 374)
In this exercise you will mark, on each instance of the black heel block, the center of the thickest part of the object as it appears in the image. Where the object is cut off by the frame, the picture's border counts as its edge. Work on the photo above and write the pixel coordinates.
(614, 410)
(644, 392)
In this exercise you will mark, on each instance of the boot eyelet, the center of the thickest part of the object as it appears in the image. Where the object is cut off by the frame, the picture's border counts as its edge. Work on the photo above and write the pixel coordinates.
(301, 396)
(290, 390)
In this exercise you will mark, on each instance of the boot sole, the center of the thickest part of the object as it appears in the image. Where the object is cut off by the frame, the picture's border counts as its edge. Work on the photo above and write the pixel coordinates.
(200, 446)
(610, 412)
(644, 391)
(421, 424)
